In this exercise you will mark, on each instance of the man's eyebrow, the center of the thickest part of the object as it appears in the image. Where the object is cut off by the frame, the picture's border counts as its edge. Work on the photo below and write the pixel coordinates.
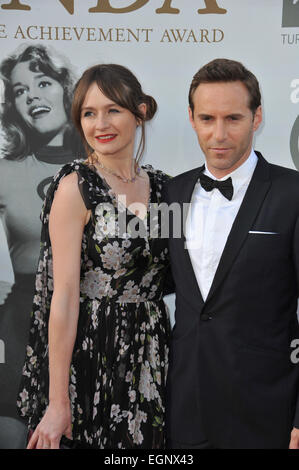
(236, 115)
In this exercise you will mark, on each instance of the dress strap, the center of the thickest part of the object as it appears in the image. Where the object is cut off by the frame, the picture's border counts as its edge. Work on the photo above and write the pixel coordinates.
(84, 185)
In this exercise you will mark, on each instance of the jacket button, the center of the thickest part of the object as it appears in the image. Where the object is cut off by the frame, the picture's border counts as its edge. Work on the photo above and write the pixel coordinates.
(205, 317)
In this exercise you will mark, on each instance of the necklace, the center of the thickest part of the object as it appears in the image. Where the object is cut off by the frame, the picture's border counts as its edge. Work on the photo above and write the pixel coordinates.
(122, 178)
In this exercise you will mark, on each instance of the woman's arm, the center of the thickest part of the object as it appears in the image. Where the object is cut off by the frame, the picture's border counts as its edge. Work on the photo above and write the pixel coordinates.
(66, 224)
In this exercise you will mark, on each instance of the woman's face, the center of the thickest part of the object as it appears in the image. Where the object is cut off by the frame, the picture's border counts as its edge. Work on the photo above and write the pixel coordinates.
(39, 101)
(108, 128)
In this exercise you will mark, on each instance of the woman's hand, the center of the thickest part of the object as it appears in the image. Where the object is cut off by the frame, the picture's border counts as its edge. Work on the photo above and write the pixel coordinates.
(66, 225)
(56, 422)
(294, 441)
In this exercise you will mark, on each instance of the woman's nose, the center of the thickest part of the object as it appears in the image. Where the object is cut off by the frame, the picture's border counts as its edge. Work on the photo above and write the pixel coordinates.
(31, 98)
(32, 95)
(102, 121)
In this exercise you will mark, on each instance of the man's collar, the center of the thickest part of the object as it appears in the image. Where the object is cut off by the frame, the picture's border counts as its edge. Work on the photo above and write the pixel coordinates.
(240, 175)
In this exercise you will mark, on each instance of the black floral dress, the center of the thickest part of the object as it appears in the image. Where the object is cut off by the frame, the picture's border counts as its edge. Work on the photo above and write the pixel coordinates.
(120, 358)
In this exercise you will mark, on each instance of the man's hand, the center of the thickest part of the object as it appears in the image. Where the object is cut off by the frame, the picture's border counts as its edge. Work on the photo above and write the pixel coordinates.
(294, 442)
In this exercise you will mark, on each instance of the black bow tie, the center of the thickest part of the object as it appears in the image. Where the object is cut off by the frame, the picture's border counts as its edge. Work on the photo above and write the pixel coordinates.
(225, 187)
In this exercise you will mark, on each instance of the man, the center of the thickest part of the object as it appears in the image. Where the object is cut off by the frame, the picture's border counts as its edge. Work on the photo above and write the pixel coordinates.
(231, 381)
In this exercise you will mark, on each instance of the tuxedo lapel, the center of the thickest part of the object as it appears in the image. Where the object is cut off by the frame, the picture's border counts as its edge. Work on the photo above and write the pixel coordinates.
(185, 198)
(252, 202)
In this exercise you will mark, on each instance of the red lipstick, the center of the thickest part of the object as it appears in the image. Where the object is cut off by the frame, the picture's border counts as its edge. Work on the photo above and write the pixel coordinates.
(105, 138)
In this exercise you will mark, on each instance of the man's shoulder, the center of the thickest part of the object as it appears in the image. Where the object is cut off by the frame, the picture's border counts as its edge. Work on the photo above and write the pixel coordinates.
(283, 175)
(183, 178)
(285, 184)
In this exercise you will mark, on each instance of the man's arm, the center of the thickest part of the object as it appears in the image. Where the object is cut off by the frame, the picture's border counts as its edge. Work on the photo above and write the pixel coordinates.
(294, 440)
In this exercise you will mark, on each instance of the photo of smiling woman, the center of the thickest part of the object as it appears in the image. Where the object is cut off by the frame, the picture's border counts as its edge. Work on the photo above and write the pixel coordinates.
(97, 358)
(37, 139)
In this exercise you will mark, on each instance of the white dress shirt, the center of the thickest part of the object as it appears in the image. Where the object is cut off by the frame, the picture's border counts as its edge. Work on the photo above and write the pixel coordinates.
(209, 222)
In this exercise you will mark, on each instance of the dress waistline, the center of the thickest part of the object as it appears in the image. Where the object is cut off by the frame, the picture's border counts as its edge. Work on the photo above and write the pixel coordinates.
(119, 302)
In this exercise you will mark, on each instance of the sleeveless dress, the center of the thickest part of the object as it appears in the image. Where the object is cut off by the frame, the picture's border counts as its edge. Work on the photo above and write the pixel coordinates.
(19, 214)
(120, 357)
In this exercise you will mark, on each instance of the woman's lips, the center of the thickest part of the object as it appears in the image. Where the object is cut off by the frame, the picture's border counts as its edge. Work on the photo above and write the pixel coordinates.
(37, 111)
(105, 138)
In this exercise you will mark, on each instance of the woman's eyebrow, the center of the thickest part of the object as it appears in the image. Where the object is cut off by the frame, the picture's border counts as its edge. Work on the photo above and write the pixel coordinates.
(18, 84)
(108, 105)
(86, 107)
(40, 75)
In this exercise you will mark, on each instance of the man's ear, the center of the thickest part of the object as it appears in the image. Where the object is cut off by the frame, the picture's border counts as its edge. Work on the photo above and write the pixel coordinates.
(191, 117)
(258, 117)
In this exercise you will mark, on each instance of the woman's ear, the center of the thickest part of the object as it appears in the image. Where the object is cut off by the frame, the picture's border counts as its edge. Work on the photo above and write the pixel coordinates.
(142, 107)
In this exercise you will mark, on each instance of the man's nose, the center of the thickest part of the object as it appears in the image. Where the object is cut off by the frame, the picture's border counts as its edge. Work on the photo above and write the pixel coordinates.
(220, 131)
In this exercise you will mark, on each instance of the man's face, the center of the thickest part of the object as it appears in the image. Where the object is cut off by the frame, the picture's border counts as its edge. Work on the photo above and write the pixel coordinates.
(224, 124)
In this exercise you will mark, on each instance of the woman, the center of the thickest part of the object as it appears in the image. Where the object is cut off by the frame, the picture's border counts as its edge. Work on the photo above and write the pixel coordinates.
(38, 139)
(105, 318)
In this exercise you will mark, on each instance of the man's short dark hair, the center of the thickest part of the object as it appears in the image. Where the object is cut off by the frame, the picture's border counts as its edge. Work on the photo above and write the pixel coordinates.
(226, 70)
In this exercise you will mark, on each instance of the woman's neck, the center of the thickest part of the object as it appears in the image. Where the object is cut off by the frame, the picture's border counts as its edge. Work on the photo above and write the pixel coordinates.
(54, 155)
(122, 166)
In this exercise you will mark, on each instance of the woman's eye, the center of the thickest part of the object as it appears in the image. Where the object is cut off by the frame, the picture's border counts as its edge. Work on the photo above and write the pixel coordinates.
(19, 92)
(113, 110)
(87, 113)
(44, 84)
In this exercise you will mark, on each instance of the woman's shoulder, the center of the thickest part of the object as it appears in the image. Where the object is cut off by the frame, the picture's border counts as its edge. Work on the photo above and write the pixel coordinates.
(64, 175)
(9, 165)
(156, 173)
(70, 178)
(76, 165)
(10, 170)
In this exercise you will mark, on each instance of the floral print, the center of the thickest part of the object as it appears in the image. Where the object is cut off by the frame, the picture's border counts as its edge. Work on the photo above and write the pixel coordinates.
(120, 358)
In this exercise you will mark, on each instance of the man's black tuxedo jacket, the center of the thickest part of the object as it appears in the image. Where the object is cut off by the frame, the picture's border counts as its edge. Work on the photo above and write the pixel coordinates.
(230, 371)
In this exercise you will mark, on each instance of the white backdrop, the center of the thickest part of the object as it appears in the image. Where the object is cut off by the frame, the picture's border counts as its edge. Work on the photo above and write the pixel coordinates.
(164, 50)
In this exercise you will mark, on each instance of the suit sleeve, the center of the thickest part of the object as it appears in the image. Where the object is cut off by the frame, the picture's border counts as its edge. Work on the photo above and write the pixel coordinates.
(296, 260)
(296, 252)
(169, 285)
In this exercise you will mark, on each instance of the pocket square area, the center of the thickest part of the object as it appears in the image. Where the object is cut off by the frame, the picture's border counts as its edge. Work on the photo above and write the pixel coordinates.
(263, 233)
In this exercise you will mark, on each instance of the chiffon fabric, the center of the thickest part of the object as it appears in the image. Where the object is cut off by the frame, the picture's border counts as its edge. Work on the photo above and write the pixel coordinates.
(120, 358)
